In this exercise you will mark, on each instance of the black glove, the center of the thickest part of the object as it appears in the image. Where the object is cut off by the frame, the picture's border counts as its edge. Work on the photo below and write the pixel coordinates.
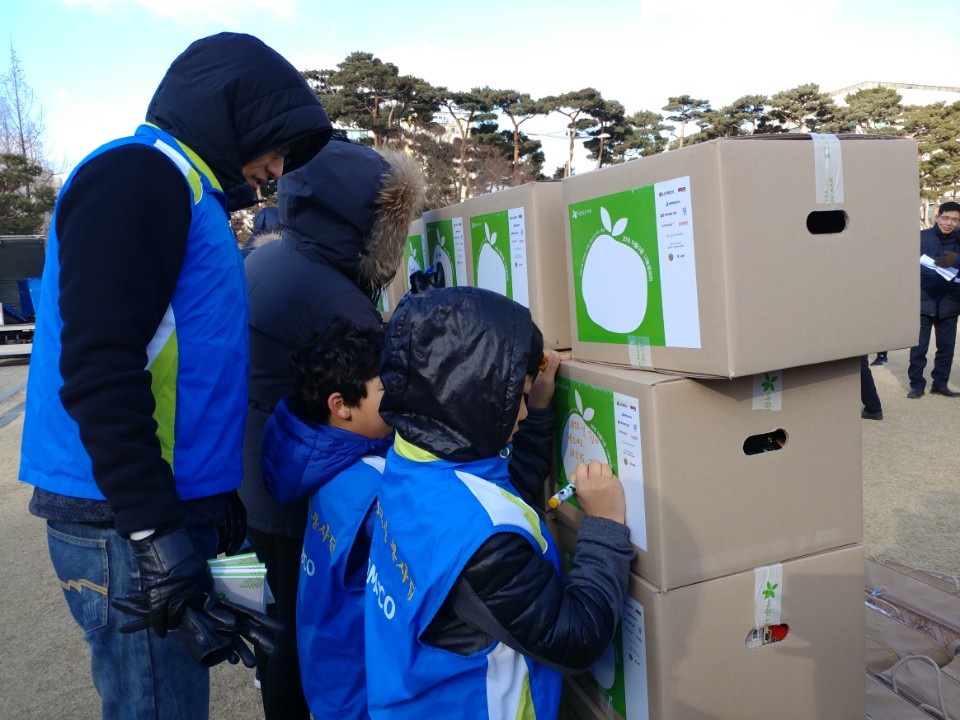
(946, 260)
(208, 634)
(173, 576)
(217, 631)
(232, 530)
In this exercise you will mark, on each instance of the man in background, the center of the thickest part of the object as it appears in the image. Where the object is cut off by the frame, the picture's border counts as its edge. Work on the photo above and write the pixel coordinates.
(939, 302)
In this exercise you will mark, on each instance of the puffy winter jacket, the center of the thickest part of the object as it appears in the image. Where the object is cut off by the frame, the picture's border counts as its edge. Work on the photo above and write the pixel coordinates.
(344, 218)
(453, 369)
(938, 296)
(340, 472)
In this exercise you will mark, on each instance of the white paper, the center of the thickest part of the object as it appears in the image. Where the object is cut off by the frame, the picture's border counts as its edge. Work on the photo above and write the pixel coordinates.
(948, 274)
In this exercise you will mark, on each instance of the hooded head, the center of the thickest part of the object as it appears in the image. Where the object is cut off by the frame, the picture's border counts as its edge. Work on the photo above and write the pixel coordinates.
(352, 206)
(453, 369)
(232, 99)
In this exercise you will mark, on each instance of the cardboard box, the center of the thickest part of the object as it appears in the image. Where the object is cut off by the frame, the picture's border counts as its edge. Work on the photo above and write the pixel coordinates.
(414, 255)
(576, 705)
(719, 475)
(515, 247)
(696, 652)
(738, 255)
(444, 236)
(915, 603)
(414, 252)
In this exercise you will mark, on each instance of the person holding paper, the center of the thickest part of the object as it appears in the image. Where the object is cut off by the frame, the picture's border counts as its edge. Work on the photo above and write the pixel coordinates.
(939, 302)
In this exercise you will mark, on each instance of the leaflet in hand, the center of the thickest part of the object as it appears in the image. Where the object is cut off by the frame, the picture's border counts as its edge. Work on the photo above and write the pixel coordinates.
(948, 274)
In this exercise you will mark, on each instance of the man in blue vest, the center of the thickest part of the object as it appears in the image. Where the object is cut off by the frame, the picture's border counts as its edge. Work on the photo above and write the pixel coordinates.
(136, 396)
(939, 302)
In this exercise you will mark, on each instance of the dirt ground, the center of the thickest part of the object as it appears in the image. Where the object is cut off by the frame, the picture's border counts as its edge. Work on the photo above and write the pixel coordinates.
(911, 492)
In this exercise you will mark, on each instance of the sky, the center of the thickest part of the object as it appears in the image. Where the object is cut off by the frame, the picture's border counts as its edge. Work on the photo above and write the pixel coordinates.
(93, 65)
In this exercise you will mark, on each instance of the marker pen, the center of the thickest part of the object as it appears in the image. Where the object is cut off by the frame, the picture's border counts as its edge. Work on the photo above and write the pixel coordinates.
(567, 492)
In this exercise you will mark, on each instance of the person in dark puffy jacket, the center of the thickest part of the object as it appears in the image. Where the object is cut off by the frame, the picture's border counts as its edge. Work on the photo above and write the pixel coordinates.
(137, 389)
(266, 226)
(466, 614)
(939, 303)
(344, 218)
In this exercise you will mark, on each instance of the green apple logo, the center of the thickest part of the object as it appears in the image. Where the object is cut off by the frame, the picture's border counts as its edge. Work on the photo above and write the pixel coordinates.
(614, 280)
(440, 256)
(491, 273)
(579, 443)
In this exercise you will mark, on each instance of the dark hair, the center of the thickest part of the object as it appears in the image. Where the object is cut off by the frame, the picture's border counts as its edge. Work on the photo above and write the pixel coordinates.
(536, 352)
(342, 358)
(949, 206)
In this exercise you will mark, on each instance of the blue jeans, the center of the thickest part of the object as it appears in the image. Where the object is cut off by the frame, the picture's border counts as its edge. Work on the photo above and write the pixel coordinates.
(138, 676)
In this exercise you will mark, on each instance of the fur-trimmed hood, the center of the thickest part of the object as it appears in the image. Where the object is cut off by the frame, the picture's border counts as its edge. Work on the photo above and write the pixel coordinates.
(351, 206)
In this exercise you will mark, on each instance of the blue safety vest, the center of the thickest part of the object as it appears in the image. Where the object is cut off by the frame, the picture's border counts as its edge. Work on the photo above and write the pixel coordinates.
(198, 358)
(329, 603)
(432, 516)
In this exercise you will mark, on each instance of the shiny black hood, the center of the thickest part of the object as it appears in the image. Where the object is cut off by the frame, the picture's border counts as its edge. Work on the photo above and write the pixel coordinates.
(453, 369)
(230, 98)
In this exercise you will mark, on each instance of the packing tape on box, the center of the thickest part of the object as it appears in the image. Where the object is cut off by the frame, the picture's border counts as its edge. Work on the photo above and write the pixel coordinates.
(639, 349)
(828, 168)
(768, 391)
(768, 591)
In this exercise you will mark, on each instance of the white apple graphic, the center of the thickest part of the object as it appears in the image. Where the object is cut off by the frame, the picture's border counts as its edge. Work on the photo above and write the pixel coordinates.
(491, 273)
(614, 280)
(604, 670)
(578, 439)
(413, 264)
(440, 256)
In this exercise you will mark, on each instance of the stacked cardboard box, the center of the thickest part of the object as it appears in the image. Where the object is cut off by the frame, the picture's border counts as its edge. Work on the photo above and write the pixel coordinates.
(717, 299)
(720, 299)
(510, 242)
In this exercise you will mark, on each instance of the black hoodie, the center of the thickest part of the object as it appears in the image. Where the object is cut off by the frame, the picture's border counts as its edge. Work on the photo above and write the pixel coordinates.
(231, 99)
(122, 226)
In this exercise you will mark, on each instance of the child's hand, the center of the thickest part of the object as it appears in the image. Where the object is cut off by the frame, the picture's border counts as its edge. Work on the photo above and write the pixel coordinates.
(541, 393)
(599, 491)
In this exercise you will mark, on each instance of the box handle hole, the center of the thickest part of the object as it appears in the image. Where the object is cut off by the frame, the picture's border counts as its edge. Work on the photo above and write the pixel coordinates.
(758, 637)
(827, 222)
(765, 442)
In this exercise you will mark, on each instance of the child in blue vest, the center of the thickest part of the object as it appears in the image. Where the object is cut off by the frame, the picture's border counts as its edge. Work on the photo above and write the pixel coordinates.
(328, 440)
(466, 613)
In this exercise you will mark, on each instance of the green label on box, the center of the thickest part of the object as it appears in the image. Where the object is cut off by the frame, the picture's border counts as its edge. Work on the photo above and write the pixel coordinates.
(594, 423)
(634, 266)
(414, 258)
(445, 245)
(620, 675)
(490, 243)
